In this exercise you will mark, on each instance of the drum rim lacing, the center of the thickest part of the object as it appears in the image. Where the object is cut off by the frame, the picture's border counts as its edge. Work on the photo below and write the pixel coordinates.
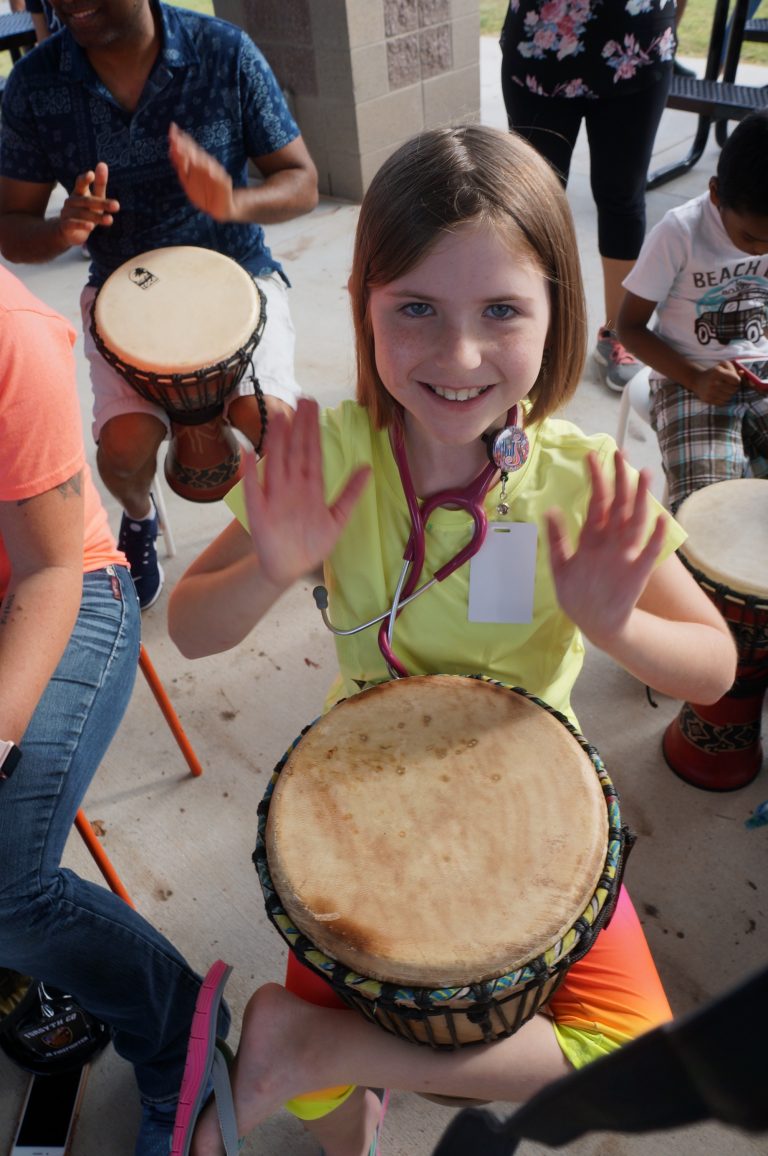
(373, 997)
(141, 379)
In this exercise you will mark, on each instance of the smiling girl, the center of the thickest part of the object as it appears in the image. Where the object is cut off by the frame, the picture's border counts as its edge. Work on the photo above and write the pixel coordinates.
(469, 317)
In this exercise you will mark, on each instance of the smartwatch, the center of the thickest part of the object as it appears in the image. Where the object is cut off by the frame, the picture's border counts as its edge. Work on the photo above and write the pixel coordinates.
(9, 758)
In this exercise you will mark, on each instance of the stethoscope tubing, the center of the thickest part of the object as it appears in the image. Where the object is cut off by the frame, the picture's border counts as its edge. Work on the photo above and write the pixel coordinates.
(407, 590)
(470, 499)
(320, 595)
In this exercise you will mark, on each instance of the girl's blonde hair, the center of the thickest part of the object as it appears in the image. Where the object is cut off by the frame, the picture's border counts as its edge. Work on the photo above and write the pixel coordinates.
(448, 177)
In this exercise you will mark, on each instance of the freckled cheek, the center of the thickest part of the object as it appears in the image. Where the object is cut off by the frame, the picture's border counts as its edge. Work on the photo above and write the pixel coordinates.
(397, 354)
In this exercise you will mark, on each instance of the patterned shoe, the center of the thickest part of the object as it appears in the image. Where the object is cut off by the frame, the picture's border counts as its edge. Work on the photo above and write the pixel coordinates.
(156, 1129)
(138, 540)
(620, 366)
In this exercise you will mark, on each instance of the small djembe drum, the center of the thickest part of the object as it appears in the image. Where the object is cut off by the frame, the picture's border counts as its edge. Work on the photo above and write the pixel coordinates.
(441, 850)
(718, 747)
(181, 325)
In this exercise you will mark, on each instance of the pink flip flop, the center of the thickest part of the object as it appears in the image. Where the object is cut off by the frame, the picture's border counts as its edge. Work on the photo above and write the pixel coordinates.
(205, 1062)
(383, 1095)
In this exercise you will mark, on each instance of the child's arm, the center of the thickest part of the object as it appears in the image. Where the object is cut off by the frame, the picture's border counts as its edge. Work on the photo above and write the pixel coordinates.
(714, 385)
(652, 619)
(236, 580)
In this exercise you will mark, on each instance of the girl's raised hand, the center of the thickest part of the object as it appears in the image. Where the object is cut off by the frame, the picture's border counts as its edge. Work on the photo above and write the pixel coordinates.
(600, 581)
(292, 527)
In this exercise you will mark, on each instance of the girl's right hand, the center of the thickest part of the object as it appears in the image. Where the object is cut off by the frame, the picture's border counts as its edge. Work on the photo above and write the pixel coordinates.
(292, 527)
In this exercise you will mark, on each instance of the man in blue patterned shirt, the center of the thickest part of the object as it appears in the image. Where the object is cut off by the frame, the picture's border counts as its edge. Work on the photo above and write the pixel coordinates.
(148, 116)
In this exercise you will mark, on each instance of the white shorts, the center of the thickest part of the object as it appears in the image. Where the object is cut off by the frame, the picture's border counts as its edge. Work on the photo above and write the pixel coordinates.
(272, 362)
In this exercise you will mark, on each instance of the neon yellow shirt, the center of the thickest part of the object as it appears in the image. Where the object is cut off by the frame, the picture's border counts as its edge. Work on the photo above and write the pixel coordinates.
(433, 634)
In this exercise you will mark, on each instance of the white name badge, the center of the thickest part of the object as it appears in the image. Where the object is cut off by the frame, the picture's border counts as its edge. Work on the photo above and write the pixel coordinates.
(502, 574)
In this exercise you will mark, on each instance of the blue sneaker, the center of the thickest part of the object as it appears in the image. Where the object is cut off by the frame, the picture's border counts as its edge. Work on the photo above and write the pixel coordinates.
(156, 1129)
(138, 541)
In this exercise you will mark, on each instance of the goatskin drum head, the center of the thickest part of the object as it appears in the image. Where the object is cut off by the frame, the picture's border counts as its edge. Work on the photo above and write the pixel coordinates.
(177, 310)
(727, 527)
(436, 831)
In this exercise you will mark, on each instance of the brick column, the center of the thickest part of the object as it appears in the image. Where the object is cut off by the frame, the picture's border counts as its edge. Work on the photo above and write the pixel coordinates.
(364, 75)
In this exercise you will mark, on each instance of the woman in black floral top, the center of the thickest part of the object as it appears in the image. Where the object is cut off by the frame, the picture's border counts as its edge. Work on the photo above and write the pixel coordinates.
(608, 63)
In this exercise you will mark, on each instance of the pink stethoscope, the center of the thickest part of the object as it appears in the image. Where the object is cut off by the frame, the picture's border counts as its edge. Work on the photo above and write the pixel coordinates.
(507, 451)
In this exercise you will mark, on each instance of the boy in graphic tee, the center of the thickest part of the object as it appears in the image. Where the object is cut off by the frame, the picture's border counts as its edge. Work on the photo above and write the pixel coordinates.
(704, 271)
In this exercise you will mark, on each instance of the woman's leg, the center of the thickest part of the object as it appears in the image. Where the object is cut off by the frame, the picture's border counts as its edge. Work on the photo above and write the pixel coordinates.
(549, 124)
(621, 132)
(73, 934)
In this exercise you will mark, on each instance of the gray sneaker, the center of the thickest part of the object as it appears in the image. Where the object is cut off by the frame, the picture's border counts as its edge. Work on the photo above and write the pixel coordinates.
(620, 366)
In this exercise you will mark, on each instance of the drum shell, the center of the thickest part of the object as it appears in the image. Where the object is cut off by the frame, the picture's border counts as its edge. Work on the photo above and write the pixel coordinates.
(478, 1012)
(481, 1019)
(204, 458)
(203, 461)
(718, 747)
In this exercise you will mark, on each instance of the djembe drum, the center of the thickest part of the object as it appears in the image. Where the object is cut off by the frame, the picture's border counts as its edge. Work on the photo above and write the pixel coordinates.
(181, 325)
(718, 747)
(441, 850)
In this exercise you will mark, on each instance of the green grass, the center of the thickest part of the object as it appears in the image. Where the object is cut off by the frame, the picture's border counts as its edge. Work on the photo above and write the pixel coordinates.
(693, 34)
(694, 31)
(205, 6)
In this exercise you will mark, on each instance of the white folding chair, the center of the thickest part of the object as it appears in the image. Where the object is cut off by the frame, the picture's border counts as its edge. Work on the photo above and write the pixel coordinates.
(636, 399)
(162, 514)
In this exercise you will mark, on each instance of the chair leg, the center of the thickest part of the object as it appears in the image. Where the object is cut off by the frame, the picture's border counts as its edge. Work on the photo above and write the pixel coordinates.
(158, 690)
(624, 408)
(102, 860)
(100, 857)
(162, 513)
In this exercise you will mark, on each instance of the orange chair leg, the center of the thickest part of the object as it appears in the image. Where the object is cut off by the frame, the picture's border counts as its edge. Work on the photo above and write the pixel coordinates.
(103, 862)
(171, 717)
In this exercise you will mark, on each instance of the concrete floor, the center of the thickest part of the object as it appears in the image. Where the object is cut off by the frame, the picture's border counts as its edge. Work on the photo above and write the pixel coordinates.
(182, 845)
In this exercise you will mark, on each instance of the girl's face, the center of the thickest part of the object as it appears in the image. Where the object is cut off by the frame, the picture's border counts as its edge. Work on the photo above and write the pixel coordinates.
(460, 337)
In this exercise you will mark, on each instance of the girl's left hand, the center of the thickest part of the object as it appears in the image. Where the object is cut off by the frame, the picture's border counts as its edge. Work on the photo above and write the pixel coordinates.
(599, 583)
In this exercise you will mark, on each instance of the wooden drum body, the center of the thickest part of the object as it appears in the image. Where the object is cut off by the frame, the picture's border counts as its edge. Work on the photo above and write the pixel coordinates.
(181, 325)
(718, 747)
(441, 849)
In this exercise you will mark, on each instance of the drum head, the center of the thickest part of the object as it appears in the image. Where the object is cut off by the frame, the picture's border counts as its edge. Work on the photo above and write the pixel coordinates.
(177, 310)
(727, 526)
(436, 831)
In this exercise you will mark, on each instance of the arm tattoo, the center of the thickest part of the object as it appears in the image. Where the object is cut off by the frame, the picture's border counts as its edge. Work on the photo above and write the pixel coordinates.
(6, 606)
(73, 485)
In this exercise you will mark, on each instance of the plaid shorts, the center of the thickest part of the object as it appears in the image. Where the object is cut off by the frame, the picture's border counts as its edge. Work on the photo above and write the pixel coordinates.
(701, 444)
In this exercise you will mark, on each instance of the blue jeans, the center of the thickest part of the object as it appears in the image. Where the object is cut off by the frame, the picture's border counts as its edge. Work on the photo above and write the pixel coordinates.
(76, 935)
